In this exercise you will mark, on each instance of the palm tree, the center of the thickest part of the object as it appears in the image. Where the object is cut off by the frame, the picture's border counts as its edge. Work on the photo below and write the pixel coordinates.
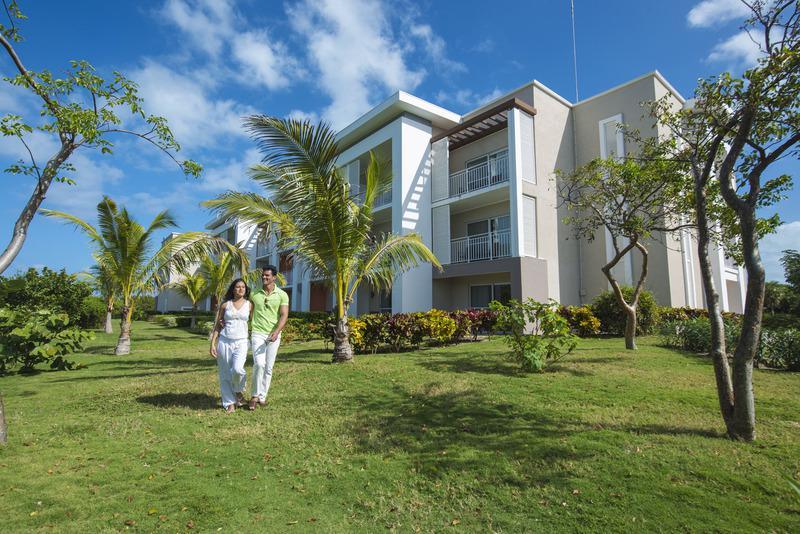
(124, 248)
(103, 281)
(316, 213)
(194, 287)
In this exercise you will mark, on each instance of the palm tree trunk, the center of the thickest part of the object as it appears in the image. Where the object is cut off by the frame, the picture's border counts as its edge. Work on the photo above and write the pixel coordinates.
(124, 342)
(3, 426)
(109, 311)
(342, 350)
(194, 316)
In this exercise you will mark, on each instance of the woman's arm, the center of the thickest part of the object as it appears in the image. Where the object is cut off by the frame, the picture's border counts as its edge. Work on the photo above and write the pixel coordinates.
(215, 332)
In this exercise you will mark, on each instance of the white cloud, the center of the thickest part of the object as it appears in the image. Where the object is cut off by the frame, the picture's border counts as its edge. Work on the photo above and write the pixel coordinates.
(486, 45)
(435, 46)
(301, 115)
(738, 49)
(92, 180)
(350, 43)
(196, 119)
(710, 12)
(467, 98)
(772, 246)
(262, 62)
(215, 28)
(231, 175)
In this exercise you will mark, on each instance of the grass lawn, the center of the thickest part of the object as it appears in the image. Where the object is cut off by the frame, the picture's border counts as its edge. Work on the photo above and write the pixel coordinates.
(448, 438)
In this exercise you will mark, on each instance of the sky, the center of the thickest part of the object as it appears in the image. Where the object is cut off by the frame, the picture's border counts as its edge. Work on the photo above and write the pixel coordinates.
(206, 64)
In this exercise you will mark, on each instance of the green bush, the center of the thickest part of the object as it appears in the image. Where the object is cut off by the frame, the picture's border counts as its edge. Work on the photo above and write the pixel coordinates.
(170, 321)
(92, 313)
(48, 289)
(204, 327)
(780, 320)
(301, 329)
(694, 335)
(550, 340)
(612, 317)
(463, 323)
(29, 338)
(581, 319)
(437, 325)
(780, 349)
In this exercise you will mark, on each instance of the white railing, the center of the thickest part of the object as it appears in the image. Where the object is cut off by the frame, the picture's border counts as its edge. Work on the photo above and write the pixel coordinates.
(487, 174)
(262, 249)
(481, 247)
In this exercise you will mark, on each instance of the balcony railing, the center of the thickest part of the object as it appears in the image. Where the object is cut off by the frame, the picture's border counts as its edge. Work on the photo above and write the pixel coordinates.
(262, 249)
(383, 199)
(487, 174)
(481, 247)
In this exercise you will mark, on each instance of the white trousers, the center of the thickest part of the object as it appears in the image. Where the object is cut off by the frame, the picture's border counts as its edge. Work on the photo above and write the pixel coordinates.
(264, 353)
(231, 356)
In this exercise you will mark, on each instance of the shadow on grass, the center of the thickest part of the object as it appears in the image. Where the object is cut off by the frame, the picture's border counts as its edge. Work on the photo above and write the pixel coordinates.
(194, 401)
(471, 364)
(447, 431)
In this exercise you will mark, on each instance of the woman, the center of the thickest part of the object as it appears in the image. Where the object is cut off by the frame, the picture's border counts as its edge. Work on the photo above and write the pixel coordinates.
(229, 343)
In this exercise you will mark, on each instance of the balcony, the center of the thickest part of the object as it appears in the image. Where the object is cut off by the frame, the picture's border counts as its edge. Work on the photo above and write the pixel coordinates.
(383, 199)
(481, 247)
(493, 172)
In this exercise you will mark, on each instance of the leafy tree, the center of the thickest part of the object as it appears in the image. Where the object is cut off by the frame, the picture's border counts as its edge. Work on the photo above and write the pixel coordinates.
(310, 203)
(791, 268)
(124, 248)
(82, 109)
(194, 287)
(779, 298)
(45, 289)
(633, 200)
(736, 129)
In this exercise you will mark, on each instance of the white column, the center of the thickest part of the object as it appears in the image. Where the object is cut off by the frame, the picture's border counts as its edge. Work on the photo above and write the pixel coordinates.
(515, 173)
(717, 257)
(441, 233)
(411, 209)
(440, 169)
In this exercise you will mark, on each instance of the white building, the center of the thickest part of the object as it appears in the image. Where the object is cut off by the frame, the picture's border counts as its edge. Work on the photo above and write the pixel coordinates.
(480, 190)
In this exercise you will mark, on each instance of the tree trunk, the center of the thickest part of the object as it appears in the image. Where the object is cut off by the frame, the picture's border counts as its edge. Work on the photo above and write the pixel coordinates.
(194, 317)
(342, 350)
(718, 353)
(124, 342)
(3, 426)
(20, 231)
(630, 327)
(744, 409)
(109, 311)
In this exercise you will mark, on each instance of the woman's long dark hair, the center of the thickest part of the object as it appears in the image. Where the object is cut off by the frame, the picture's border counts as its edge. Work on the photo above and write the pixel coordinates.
(229, 293)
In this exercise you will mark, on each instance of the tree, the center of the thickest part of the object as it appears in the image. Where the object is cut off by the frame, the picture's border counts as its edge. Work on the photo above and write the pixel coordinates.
(194, 287)
(219, 271)
(790, 260)
(104, 283)
(124, 248)
(634, 200)
(82, 110)
(328, 226)
(736, 129)
(779, 298)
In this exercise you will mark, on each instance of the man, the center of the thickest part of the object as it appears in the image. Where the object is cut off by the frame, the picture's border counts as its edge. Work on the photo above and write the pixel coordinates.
(270, 312)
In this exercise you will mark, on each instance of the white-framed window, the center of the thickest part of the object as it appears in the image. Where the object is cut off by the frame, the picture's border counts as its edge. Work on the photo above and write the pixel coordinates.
(481, 295)
(612, 141)
(528, 226)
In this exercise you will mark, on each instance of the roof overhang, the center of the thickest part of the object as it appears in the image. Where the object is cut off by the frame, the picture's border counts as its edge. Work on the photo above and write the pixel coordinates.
(485, 123)
(393, 107)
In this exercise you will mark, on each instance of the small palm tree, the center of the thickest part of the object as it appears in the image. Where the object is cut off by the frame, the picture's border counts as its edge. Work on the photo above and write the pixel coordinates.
(124, 248)
(316, 213)
(194, 287)
(104, 283)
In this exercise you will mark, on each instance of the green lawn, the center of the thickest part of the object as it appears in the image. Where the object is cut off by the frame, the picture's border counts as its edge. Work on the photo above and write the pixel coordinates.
(440, 439)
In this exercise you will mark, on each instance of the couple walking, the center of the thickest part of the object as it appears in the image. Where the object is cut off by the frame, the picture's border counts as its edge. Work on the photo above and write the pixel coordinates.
(266, 311)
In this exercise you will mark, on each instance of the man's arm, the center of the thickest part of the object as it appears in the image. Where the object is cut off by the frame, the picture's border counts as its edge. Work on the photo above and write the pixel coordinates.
(284, 316)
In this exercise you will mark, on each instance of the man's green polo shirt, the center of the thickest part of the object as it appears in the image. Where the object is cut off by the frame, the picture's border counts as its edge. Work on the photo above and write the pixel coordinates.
(266, 308)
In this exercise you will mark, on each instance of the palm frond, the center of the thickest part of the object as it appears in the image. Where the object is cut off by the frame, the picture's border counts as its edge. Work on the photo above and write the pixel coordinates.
(77, 222)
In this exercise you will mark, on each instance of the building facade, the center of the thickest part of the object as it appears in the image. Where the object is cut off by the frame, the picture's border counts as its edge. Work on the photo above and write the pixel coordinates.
(480, 189)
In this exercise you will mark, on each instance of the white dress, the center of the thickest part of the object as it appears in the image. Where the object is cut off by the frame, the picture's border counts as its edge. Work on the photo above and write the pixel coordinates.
(232, 352)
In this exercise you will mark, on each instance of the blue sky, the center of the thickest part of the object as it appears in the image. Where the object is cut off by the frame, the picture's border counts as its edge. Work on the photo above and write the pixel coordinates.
(205, 64)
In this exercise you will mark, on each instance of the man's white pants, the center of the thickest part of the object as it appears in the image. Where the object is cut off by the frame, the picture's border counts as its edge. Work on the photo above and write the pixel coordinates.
(231, 356)
(264, 353)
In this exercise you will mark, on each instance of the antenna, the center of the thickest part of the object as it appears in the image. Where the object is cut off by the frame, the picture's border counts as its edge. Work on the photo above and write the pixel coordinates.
(574, 49)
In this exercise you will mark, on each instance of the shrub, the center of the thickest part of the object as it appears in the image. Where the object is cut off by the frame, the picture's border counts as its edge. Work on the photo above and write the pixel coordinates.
(437, 325)
(42, 336)
(92, 313)
(781, 320)
(463, 324)
(170, 321)
(483, 321)
(551, 338)
(356, 328)
(204, 327)
(299, 329)
(694, 335)
(581, 320)
(376, 332)
(780, 349)
(404, 329)
(48, 289)
(612, 317)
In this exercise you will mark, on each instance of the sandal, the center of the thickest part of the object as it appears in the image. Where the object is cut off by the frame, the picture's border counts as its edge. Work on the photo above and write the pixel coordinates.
(252, 404)
(230, 408)
(240, 401)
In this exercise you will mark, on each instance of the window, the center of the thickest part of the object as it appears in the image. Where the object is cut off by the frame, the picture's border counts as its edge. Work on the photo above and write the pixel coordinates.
(481, 295)
(529, 226)
(612, 141)
(385, 303)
